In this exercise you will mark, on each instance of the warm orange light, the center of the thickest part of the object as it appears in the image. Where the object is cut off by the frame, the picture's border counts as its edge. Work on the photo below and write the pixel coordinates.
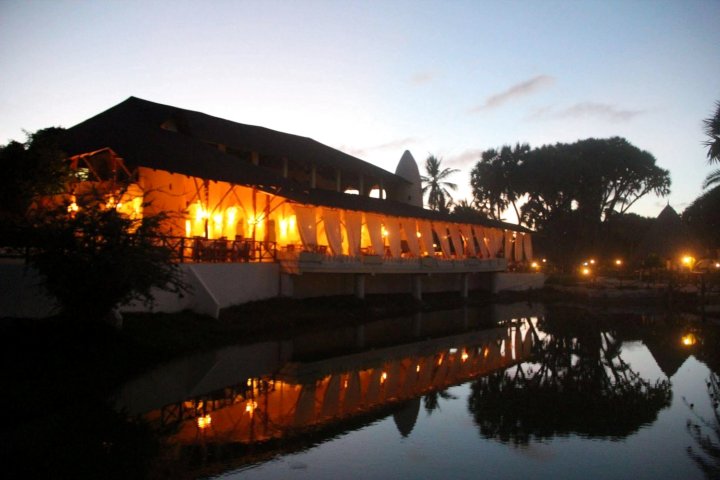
(486, 352)
(618, 262)
(73, 207)
(689, 340)
(535, 265)
(418, 234)
(592, 261)
(250, 407)
(383, 377)
(204, 421)
(717, 264)
(688, 260)
(585, 271)
(188, 228)
(464, 356)
(384, 232)
(283, 227)
(417, 368)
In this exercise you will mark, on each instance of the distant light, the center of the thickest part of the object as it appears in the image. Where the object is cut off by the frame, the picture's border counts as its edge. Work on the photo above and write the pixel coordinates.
(383, 377)
(586, 271)
(464, 356)
(717, 264)
(585, 264)
(535, 265)
(204, 421)
(544, 260)
(417, 368)
(687, 260)
(689, 340)
(418, 234)
(618, 262)
(592, 261)
(452, 351)
(250, 407)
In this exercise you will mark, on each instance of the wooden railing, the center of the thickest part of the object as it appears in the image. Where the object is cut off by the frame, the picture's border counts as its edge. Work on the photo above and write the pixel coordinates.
(197, 249)
(220, 250)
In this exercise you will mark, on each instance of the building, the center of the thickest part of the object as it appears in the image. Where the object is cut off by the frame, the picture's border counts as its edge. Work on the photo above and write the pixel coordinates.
(256, 213)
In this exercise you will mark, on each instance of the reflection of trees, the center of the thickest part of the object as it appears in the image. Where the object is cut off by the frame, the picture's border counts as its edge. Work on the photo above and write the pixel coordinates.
(707, 455)
(578, 384)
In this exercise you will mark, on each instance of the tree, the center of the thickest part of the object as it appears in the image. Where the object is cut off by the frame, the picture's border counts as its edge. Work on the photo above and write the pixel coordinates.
(703, 218)
(32, 169)
(436, 185)
(712, 130)
(468, 211)
(91, 256)
(496, 179)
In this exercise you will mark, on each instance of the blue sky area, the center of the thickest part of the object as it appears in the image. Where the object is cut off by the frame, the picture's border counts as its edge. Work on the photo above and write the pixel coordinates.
(375, 78)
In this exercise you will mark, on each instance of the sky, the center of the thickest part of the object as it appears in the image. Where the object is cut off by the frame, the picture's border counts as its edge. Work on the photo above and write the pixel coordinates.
(376, 78)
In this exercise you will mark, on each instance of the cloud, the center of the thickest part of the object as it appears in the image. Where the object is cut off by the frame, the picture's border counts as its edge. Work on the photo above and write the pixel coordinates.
(465, 159)
(400, 143)
(588, 110)
(421, 78)
(518, 90)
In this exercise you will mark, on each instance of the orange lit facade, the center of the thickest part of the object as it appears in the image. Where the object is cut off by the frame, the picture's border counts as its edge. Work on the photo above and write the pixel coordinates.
(226, 186)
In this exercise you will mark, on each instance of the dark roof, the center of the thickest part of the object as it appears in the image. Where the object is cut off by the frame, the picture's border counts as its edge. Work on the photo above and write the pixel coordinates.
(344, 201)
(133, 130)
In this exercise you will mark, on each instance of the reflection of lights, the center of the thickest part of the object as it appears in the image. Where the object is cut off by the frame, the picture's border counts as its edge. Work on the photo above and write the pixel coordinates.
(383, 378)
(204, 421)
(250, 407)
(486, 352)
(417, 368)
(345, 384)
(384, 232)
(689, 340)
(440, 360)
(418, 234)
(464, 356)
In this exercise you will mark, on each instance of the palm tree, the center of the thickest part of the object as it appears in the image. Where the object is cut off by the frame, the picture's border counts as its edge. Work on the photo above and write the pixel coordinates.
(712, 130)
(436, 185)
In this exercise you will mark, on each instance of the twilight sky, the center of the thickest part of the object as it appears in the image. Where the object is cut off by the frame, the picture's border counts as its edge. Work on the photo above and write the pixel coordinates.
(374, 78)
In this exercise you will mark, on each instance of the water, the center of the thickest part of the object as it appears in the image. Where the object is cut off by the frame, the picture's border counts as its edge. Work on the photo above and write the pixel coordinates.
(510, 392)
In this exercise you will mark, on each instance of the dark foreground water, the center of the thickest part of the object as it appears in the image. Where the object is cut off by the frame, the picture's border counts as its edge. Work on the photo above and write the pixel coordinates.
(512, 391)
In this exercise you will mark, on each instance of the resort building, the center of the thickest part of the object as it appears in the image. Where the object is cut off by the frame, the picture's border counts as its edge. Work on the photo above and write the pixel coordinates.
(255, 213)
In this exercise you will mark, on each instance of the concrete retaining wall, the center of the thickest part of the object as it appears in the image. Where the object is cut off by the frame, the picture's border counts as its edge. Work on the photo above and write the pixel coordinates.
(217, 286)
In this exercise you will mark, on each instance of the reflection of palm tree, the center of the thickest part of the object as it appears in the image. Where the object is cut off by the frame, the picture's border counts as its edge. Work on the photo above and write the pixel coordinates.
(431, 400)
(436, 185)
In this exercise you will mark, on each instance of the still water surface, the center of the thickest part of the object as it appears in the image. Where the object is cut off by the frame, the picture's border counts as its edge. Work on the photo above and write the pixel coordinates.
(511, 391)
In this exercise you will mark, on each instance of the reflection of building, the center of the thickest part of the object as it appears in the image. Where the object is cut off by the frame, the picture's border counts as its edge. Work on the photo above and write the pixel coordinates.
(236, 402)
(324, 222)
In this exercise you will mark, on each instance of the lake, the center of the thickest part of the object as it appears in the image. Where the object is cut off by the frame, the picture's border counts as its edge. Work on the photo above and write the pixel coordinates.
(508, 391)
